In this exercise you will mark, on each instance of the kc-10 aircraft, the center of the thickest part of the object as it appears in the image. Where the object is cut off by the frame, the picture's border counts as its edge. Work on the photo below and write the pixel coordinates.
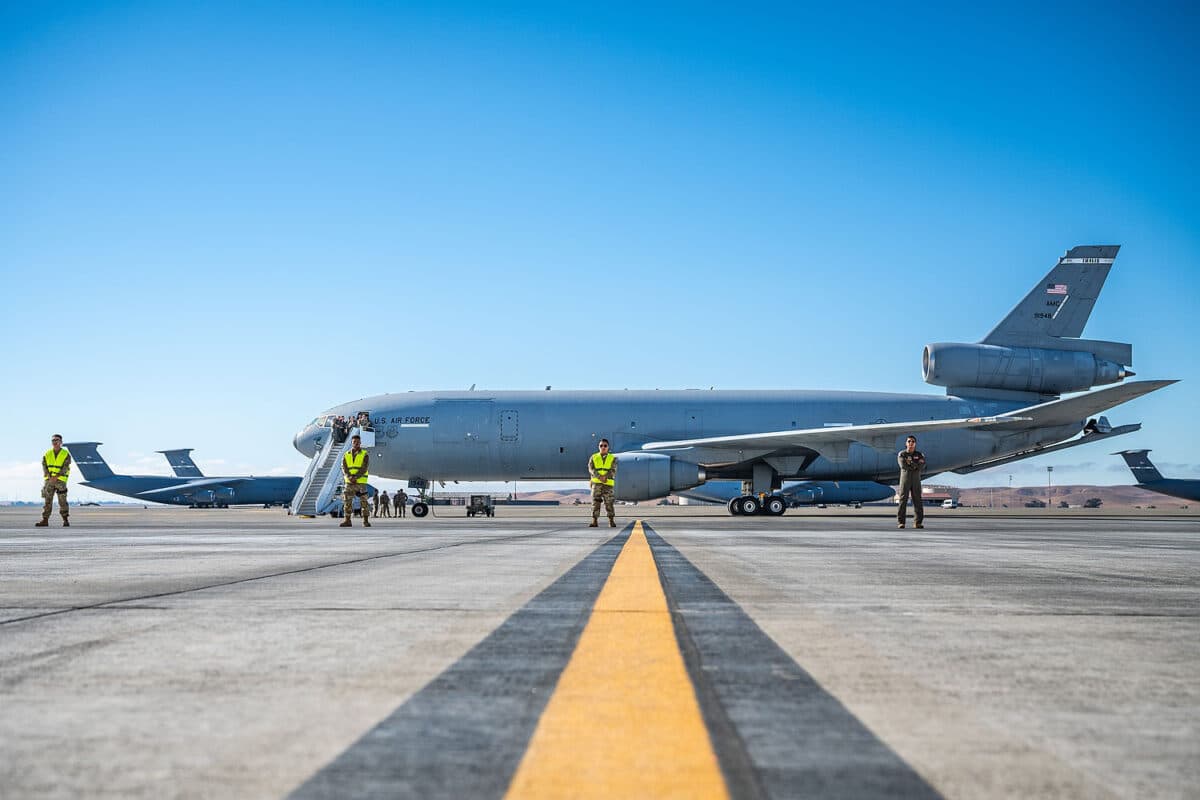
(1148, 477)
(189, 488)
(1004, 402)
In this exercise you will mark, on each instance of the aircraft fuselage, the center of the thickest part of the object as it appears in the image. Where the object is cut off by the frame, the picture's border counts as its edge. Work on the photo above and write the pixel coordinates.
(531, 435)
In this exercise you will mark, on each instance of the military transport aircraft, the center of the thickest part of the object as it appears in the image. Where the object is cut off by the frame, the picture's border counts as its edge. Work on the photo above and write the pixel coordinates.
(1003, 402)
(1148, 477)
(188, 488)
(793, 493)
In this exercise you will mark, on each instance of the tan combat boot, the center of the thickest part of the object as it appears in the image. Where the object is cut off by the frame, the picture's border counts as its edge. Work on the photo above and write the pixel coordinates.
(66, 523)
(345, 523)
(45, 523)
(595, 523)
(612, 523)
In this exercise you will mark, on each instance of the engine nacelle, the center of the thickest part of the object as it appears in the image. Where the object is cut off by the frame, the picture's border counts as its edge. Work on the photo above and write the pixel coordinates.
(225, 495)
(805, 494)
(204, 497)
(645, 476)
(1019, 369)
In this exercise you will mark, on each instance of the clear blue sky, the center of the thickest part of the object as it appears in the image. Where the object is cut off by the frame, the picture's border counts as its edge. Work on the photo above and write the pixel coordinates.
(216, 222)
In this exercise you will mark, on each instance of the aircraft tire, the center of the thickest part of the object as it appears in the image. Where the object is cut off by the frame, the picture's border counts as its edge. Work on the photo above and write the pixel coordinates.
(776, 506)
(748, 505)
(420, 509)
(732, 507)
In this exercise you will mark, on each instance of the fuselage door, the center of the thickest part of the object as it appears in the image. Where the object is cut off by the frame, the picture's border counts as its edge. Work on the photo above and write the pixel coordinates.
(462, 421)
(510, 429)
(510, 436)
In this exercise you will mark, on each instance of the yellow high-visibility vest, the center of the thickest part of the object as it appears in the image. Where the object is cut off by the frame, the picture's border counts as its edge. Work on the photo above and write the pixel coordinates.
(602, 465)
(356, 462)
(57, 465)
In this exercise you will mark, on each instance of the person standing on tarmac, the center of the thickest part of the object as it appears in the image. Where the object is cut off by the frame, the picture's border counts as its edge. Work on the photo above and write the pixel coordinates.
(385, 503)
(602, 466)
(401, 503)
(56, 468)
(355, 465)
(912, 462)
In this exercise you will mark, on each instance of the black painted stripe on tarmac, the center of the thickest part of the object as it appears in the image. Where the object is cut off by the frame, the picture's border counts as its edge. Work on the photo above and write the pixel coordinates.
(464, 734)
(777, 733)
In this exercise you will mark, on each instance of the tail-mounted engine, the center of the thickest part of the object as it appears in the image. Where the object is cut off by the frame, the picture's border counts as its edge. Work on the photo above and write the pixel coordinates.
(1018, 369)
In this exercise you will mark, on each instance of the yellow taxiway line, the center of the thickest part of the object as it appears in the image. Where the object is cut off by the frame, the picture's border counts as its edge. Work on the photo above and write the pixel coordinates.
(623, 720)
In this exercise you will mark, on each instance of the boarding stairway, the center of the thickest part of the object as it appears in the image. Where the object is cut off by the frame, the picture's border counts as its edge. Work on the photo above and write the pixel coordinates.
(318, 489)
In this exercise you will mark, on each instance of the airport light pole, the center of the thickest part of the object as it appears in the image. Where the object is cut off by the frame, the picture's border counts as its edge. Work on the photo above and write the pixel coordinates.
(1049, 470)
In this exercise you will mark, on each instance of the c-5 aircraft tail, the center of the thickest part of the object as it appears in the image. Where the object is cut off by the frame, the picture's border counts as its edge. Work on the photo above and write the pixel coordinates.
(86, 456)
(182, 463)
(1141, 467)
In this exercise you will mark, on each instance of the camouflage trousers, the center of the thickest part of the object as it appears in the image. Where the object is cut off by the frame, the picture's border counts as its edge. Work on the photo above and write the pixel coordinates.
(910, 487)
(49, 489)
(352, 491)
(602, 492)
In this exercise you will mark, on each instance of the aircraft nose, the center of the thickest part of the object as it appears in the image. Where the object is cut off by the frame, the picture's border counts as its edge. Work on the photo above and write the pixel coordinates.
(303, 441)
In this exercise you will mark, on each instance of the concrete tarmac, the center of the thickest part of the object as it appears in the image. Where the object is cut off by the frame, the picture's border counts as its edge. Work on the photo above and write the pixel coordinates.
(245, 653)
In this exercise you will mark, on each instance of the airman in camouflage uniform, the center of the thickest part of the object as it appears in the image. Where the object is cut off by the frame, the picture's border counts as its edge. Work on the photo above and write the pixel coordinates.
(602, 466)
(56, 468)
(355, 464)
(912, 462)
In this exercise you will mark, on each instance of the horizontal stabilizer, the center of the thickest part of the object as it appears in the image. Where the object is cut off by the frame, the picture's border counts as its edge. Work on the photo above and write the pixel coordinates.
(190, 486)
(1080, 407)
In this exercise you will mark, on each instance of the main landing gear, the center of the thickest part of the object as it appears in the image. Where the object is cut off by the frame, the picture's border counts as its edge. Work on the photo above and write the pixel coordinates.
(748, 505)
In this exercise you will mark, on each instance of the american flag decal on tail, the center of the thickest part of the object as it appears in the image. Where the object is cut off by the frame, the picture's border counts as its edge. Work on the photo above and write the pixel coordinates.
(1056, 288)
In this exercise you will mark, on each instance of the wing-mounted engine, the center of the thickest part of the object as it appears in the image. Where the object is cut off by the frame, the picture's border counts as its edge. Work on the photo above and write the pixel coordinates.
(1042, 371)
(645, 476)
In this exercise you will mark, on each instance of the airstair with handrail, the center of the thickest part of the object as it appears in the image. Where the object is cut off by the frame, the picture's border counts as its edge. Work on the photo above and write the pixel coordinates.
(317, 493)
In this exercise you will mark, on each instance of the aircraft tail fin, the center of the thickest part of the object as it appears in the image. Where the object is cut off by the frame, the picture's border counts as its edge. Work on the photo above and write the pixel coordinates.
(1141, 467)
(182, 463)
(1059, 305)
(86, 456)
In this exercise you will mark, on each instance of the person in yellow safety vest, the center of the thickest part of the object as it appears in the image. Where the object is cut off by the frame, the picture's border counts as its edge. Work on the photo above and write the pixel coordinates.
(602, 466)
(355, 465)
(56, 468)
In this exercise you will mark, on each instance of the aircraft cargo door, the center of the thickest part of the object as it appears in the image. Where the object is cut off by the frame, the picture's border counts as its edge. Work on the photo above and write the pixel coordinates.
(462, 430)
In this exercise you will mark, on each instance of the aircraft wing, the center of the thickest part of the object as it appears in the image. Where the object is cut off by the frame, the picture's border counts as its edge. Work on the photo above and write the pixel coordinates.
(189, 486)
(1074, 409)
(832, 442)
